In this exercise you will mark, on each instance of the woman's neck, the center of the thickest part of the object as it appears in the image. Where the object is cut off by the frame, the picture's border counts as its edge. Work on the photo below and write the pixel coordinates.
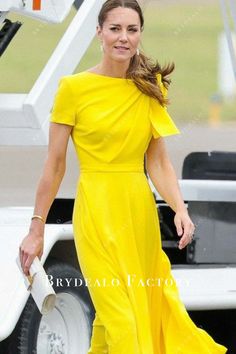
(112, 69)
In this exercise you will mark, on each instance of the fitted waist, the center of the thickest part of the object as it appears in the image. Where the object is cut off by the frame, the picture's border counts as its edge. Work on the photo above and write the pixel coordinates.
(113, 167)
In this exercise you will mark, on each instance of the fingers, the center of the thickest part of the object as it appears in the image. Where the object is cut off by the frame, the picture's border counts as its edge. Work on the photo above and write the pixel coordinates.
(31, 246)
(179, 227)
(187, 237)
(185, 229)
(27, 264)
(25, 260)
(21, 256)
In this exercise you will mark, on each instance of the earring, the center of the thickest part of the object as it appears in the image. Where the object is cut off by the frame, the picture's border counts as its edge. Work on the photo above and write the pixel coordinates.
(101, 47)
(138, 52)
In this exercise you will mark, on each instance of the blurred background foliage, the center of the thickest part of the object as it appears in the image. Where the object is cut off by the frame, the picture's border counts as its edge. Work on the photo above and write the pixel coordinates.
(185, 32)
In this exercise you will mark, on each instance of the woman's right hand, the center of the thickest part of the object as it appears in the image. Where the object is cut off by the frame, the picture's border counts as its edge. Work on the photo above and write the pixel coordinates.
(30, 247)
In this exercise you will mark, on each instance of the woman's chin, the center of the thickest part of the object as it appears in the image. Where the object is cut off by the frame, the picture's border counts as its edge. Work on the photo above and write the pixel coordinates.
(121, 58)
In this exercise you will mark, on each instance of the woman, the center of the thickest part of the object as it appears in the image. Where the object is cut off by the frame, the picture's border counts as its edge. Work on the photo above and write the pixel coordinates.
(116, 113)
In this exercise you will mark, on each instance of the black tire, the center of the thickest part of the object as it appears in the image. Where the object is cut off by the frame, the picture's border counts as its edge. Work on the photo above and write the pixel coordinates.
(23, 340)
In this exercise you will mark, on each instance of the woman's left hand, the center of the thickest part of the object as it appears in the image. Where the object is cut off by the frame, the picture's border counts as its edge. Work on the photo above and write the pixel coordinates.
(185, 228)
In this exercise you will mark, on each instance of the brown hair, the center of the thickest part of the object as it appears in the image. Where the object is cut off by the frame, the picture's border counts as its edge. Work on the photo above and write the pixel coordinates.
(142, 70)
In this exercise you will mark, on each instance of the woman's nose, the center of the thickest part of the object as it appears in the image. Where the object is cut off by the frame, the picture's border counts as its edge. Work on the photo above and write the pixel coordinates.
(123, 36)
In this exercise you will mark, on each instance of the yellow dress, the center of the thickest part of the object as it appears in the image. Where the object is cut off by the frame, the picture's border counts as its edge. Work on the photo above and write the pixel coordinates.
(115, 220)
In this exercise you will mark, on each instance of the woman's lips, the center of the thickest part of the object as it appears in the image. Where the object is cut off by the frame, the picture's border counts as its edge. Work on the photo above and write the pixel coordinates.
(121, 48)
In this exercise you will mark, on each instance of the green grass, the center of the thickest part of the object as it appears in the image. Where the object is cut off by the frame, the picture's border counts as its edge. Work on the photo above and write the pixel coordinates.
(185, 33)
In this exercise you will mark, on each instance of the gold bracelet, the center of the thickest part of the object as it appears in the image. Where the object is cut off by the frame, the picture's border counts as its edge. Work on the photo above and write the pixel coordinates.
(38, 217)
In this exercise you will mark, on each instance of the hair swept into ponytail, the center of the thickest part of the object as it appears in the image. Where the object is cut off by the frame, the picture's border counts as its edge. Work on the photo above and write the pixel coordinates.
(142, 69)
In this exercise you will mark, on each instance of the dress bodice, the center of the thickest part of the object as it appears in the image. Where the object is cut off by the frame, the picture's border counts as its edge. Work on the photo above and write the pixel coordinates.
(113, 121)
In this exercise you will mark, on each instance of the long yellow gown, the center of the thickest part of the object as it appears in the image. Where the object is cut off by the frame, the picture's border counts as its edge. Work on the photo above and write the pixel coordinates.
(115, 220)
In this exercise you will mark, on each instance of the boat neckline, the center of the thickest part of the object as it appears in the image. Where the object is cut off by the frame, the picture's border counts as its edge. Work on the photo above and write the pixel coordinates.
(108, 77)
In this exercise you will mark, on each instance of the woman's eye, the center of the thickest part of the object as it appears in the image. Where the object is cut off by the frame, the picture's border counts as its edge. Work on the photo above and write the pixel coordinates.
(131, 29)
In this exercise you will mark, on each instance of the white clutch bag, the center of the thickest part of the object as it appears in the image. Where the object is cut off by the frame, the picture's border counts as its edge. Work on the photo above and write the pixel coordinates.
(39, 286)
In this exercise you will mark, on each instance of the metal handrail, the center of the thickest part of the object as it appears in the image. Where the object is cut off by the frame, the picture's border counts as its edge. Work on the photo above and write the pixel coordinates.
(228, 33)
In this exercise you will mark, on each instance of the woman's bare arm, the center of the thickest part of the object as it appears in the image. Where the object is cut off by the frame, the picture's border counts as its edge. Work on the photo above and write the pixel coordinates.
(163, 177)
(49, 182)
(162, 174)
(54, 168)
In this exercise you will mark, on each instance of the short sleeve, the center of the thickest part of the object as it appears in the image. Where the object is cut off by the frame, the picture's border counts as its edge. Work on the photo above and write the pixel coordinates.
(162, 123)
(63, 110)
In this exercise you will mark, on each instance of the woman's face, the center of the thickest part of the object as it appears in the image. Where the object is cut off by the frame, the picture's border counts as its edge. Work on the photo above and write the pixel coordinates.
(120, 34)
